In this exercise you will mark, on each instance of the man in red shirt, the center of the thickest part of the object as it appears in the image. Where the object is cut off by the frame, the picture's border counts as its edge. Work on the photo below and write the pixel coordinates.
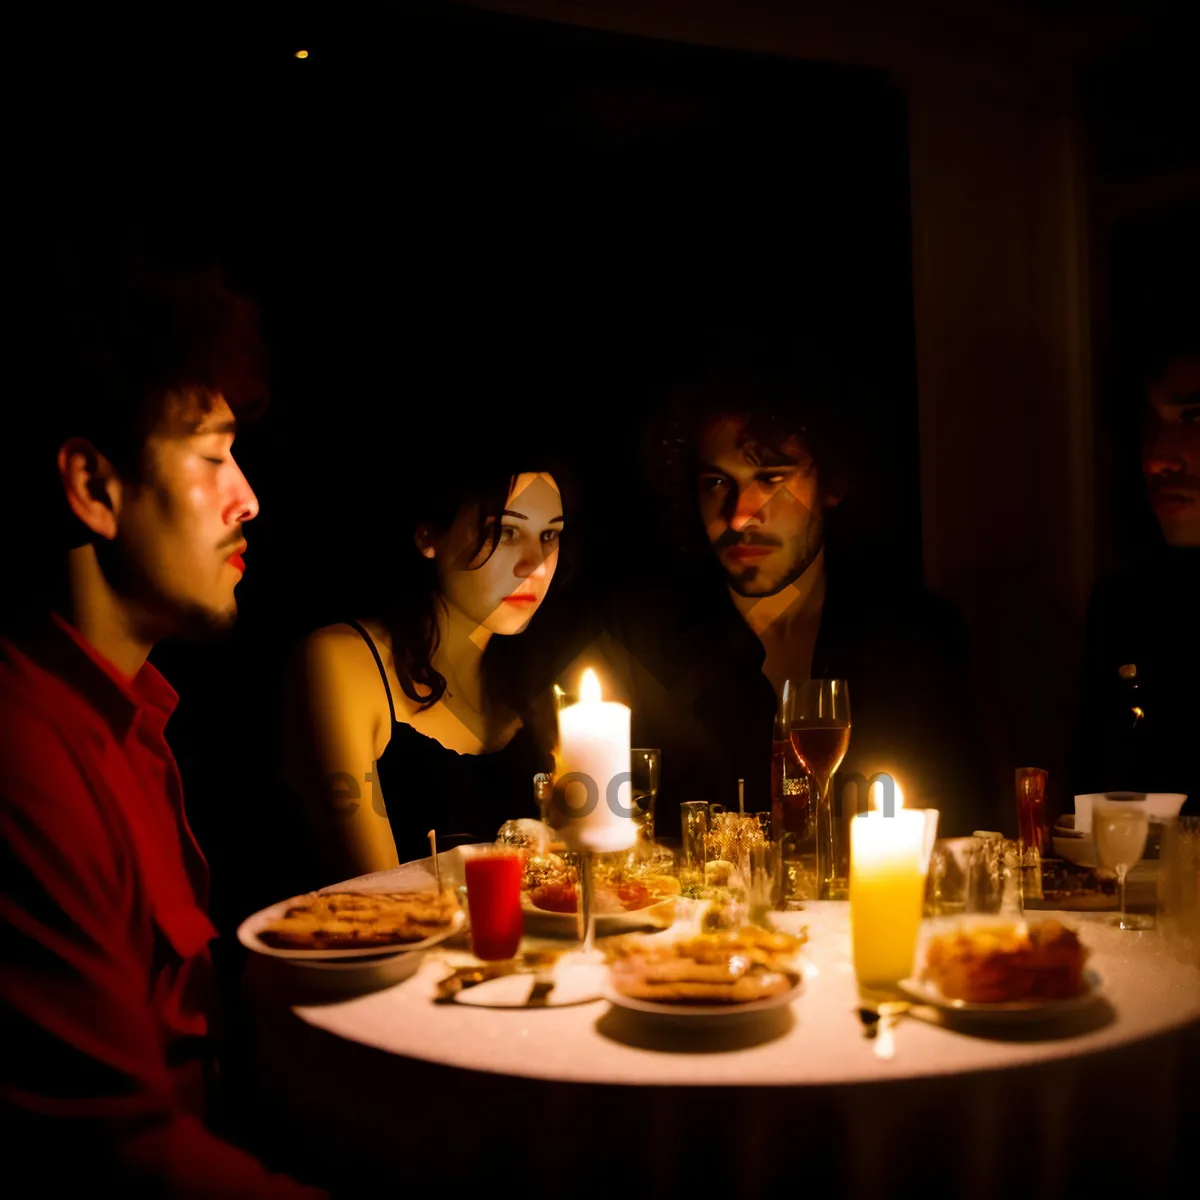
(104, 940)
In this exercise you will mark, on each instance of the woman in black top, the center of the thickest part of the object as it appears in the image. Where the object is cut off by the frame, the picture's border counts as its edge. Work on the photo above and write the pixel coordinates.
(415, 718)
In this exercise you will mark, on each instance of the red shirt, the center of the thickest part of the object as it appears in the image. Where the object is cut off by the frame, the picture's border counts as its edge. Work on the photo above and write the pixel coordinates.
(105, 969)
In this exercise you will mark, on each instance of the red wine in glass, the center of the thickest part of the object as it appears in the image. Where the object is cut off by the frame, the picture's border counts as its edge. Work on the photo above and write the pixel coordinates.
(820, 746)
(816, 715)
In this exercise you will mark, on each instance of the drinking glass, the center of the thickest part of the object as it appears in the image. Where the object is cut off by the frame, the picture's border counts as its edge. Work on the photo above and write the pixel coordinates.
(1033, 835)
(693, 819)
(815, 713)
(644, 766)
(952, 867)
(493, 875)
(762, 891)
(1119, 829)
(1179, 887)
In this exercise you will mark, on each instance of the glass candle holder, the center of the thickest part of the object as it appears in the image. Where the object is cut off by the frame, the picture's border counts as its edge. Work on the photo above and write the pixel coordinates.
(889, 861)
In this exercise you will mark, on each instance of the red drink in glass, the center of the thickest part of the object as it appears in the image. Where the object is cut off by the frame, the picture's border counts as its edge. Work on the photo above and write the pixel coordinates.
(821, 747)
(494, 901)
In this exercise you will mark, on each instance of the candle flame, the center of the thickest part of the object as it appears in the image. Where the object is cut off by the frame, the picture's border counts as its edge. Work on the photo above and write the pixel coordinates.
(589, 688)
(879, 790)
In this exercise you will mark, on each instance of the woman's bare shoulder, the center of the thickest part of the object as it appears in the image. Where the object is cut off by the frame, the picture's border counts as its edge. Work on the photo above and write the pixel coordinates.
(342, 650)
(335, 651)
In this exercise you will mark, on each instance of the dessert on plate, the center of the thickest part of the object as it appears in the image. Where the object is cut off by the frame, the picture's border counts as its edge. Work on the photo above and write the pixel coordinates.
(1005, 963)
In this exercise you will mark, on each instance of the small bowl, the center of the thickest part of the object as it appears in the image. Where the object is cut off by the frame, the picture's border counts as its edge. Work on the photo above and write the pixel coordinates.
(1080, 848)
(1159, 806)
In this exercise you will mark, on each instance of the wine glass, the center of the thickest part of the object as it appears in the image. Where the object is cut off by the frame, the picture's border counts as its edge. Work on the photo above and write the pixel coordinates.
(1119, 828)
(816, 715)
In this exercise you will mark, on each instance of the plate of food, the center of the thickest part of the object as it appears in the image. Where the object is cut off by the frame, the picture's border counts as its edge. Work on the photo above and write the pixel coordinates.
(619, 904)
(707, 977)
(1006, 970)
(337, 925)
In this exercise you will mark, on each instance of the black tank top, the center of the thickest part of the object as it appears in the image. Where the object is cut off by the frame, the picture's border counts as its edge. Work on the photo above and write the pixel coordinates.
(465, 797)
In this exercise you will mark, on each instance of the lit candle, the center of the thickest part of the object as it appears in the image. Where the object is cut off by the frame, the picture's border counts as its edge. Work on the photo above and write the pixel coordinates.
(889, 858)
(594, 808)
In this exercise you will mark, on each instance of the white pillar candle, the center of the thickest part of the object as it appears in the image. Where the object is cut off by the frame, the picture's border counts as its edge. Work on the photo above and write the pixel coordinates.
(594, 810)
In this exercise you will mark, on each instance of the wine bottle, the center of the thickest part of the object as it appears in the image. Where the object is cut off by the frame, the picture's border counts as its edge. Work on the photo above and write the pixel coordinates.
(1128, 732)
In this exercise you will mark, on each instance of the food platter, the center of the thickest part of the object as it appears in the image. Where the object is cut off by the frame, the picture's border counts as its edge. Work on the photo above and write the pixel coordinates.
(658, 914)
(250, 931)
(925, 991)
(685, 1013)
(699, 979)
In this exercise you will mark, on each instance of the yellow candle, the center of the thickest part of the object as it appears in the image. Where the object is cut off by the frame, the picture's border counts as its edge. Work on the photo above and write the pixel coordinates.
(889, 856)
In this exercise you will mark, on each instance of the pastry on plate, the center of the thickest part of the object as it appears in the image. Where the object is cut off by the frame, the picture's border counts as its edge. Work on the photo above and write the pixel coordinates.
(1004, 963)
(726, 968)
(349, 920)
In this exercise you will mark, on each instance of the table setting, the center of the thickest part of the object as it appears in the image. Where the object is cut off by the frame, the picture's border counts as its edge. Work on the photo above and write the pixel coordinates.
(579, 976)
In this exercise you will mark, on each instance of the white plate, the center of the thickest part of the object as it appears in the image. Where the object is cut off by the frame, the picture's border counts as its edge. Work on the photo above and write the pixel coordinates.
(250, 928)
(1018, 1010)
(704, 1014)
(581, 984)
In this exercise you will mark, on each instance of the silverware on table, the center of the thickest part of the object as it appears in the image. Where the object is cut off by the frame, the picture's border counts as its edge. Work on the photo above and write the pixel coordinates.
(538, 963)
(878, 1023)
(539, 994)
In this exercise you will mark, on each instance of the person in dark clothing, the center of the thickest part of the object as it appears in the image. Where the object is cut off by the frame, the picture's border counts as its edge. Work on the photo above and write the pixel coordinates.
(397, 722)
(757, 596)
(107, 980)
(1139, 724)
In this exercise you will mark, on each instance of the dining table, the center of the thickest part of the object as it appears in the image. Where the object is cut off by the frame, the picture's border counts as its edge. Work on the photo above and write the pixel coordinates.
(373, 1078)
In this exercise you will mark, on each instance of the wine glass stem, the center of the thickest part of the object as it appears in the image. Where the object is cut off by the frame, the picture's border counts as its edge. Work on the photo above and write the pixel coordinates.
(825, 824)
(1121, 871)
(587, 923)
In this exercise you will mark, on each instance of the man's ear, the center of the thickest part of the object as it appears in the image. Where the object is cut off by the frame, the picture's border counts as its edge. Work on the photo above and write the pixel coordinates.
(91, 486)
(834, 487)
(425, 542)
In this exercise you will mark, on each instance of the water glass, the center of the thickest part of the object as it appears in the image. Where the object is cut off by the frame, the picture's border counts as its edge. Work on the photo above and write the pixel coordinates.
(693, 821)
(762, 892)
(1179, 888)
(953, 870)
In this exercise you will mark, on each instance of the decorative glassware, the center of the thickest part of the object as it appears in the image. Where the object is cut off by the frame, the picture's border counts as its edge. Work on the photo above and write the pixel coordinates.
(644, 766)
(693, 819)
(1119, 829)
(1033, 834)
(1179, 887)
(814, 717)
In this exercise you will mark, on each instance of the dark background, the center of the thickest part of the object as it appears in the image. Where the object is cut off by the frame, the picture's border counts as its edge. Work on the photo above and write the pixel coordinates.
(559, 218)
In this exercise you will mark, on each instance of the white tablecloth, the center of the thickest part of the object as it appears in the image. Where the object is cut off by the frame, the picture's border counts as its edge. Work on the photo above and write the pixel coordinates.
(394, 1086)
